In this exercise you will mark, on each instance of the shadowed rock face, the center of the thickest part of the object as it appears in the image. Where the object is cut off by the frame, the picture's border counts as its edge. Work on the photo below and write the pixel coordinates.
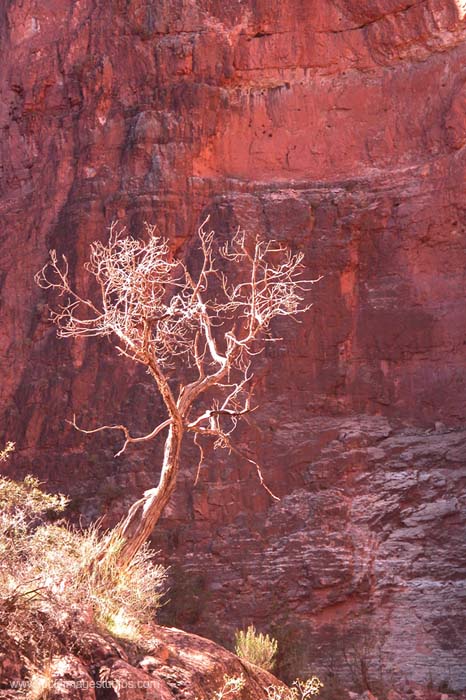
(338, 127)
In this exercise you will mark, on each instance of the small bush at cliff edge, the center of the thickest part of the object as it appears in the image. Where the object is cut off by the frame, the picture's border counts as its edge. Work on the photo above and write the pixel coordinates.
(257, 648)
(50, 584)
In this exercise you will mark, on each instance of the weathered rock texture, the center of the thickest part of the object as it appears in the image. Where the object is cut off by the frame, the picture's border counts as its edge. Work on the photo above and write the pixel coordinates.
(177, 665)
(339, 126)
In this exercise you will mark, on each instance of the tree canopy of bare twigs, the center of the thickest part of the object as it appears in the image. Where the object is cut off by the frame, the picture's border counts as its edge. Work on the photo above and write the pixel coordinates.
(163, 315)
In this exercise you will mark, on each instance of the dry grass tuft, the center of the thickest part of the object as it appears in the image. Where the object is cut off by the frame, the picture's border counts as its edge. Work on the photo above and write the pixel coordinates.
(257, 648)
(57, 581)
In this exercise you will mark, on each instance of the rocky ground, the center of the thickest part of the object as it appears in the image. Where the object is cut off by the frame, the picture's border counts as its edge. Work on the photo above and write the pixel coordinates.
(178, 666)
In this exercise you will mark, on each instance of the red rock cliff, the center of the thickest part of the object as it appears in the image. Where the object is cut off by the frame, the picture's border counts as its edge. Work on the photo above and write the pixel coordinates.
(339, 126)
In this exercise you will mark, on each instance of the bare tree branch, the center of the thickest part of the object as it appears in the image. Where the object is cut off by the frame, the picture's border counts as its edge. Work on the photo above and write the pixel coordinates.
(124, 430)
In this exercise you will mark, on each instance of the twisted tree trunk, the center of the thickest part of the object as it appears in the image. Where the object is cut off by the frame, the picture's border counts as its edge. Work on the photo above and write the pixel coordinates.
(143, 515)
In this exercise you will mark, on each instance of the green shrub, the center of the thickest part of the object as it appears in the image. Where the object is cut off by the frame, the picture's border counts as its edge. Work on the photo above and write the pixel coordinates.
(257, 648)
(56, 580)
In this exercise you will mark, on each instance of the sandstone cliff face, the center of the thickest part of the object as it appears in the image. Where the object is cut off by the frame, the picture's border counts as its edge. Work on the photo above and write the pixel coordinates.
(339, 127)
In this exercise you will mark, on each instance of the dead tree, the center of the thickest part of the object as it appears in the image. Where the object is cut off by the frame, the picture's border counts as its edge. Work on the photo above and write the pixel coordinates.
(162, 315)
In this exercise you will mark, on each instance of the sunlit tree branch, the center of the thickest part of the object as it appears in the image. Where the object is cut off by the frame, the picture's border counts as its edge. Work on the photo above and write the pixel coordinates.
(196, 333)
